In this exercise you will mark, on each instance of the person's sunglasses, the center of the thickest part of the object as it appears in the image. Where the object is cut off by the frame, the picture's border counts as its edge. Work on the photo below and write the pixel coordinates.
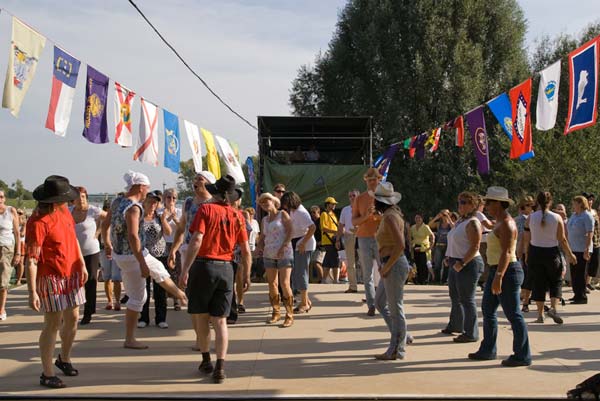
(280, 191)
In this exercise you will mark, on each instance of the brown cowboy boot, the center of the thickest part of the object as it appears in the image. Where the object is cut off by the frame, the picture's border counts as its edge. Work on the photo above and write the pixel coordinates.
(276, 315)
(289, 311)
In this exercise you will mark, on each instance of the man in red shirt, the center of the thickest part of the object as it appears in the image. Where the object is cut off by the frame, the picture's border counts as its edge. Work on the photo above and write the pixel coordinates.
(207, 270)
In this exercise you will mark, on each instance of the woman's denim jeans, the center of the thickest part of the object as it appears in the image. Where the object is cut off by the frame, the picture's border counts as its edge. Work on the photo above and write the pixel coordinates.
(300, 270)
(462, 286)
(389, 300)
(509, 299)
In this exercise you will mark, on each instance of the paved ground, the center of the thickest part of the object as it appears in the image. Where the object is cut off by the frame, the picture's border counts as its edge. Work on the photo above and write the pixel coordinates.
(328, 352)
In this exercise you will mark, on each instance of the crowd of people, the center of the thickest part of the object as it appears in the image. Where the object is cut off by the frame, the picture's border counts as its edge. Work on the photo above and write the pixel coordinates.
(204, 255)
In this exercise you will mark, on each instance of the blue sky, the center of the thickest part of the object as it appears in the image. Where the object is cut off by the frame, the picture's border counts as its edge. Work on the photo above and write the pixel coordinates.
(248, 51)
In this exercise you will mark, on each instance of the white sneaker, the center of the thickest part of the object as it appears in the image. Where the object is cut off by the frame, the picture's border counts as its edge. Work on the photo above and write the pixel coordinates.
(163, 325)
(141, 324)
(3, 316)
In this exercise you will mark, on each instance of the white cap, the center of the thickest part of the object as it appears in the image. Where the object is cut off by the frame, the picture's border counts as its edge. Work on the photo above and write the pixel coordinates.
(132, 178)
(208, 176)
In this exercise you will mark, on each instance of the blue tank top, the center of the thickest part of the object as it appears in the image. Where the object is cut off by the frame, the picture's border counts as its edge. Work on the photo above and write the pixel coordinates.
(118, 226)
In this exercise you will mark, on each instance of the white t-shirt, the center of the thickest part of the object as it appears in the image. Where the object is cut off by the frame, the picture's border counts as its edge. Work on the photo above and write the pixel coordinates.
(253, 234)
(170, 238)
(86, 232)
(301, 221)
(346, 219)
(544, 236)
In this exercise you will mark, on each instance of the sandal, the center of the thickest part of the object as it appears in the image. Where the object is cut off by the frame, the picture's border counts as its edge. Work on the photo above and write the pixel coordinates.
(66, 367)
(51, 381)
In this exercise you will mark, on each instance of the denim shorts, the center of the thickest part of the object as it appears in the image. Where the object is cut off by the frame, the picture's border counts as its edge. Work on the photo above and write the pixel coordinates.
(277, 263)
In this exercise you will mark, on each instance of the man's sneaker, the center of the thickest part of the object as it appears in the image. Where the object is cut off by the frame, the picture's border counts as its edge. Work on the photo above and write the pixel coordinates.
(476, 356)
(554, 315)
(206, 367)
(511, 362)
(163, 325)
(371, 311)
(218, 376)
(3, 316)
(141, 324)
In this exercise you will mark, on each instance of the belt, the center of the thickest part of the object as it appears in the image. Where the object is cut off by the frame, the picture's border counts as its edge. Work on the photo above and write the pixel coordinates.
(213, 261)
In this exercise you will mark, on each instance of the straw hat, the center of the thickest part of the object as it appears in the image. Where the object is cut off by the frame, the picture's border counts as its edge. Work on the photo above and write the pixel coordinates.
(385, 193)
(498, 194)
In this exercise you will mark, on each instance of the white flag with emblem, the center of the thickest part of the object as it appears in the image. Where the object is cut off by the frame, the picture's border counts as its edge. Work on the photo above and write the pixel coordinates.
(232, 165)
(193, 134)
(547, 101)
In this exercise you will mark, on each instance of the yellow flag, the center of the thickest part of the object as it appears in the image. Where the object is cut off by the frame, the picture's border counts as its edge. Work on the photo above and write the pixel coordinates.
(212, 158)
(25, 50)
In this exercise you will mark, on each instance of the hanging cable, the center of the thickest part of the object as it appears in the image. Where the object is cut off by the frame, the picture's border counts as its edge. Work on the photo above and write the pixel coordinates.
(190, 68)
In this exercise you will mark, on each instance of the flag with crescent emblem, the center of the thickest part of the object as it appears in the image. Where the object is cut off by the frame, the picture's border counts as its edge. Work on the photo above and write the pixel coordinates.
(231, 163)
(123, 105)
(95, 127)
(147, 145)
(65, 70)
(476, 122)
(172, 148)
(26, 47)
(193, 135)
(583, 86)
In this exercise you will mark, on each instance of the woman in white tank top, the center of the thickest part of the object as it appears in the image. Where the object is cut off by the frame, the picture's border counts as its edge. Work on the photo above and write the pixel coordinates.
(544, 230)
(10, 254)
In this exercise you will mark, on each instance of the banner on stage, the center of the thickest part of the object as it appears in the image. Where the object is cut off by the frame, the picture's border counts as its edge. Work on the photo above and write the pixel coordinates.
(583, 86)
(147, 146)
(172, 147)
(65, 70)
(95, 127)
(25, 49)
(476, 122)
(123, 105)
(193, 135)
(547, 101)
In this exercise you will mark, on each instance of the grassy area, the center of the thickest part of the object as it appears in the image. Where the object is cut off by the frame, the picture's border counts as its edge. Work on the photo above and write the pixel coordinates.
(25, 204)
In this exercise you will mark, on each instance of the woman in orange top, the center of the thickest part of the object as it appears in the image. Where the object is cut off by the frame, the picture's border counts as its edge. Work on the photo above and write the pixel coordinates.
(56, 274)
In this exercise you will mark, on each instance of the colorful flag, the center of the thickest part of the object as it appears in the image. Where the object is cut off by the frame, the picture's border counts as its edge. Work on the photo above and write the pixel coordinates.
(232, 165)
(459, 126)
(501, 109)
(123, 105)
(193, 135)
(25, 49)
(65, 71)
(95, 128)
(583, 86)
(419, 145)
(476, 122)
(384, 161)
(406, 143)
(434, 140)
(172, 148)
(212, 158)
(147, 151)
(547, 101)
(236, 150)
(251, 181)
(411, 148)
(520, 99)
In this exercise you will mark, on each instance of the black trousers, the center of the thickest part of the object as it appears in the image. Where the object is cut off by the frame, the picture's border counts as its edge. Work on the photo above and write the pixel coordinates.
(578, 277)
(160, 300)
(233, 314)
(91, 265)
(422, 272)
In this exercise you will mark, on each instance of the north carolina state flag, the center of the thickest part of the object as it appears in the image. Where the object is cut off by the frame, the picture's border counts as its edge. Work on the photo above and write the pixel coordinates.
(520, 100)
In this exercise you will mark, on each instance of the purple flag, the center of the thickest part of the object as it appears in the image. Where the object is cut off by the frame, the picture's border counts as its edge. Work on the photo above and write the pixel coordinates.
(95, 128)
(384, 161)
(420, 145)
(476, 123)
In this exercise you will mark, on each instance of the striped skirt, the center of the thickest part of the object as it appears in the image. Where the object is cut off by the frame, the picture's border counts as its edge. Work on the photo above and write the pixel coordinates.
(60, 293)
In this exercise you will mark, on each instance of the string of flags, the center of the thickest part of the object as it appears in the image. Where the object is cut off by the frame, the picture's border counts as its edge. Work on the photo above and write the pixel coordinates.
(512, 112)
(25, 50)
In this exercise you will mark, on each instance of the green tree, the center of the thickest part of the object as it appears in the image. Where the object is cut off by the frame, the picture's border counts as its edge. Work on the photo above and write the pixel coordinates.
(413, 66)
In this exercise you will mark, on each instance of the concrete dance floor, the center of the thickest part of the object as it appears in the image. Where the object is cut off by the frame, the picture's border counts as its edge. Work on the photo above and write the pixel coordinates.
(326, 353)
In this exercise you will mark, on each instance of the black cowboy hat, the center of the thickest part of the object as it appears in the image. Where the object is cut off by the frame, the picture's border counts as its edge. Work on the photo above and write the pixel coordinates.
(55, 189)
(225, 187)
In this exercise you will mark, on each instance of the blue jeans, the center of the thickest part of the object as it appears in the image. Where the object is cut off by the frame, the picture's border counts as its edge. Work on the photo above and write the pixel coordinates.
(389, 300)
(509, 299)
(462, 286)
(367, 253)
(439, 252)
(300, 270)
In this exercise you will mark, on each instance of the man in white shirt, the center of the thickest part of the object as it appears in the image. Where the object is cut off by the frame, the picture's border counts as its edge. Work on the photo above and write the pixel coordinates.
(347, 235)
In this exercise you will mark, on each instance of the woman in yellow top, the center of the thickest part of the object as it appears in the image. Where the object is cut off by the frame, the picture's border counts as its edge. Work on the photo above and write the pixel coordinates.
(421, 238)
(503, 284)
(389, 297)
(329, 228)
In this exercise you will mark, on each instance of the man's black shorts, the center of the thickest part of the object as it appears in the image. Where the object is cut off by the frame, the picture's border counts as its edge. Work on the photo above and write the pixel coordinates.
(210, 287)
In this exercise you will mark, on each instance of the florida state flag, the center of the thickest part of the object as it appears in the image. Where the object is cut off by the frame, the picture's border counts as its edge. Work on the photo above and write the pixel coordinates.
(520, 100)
